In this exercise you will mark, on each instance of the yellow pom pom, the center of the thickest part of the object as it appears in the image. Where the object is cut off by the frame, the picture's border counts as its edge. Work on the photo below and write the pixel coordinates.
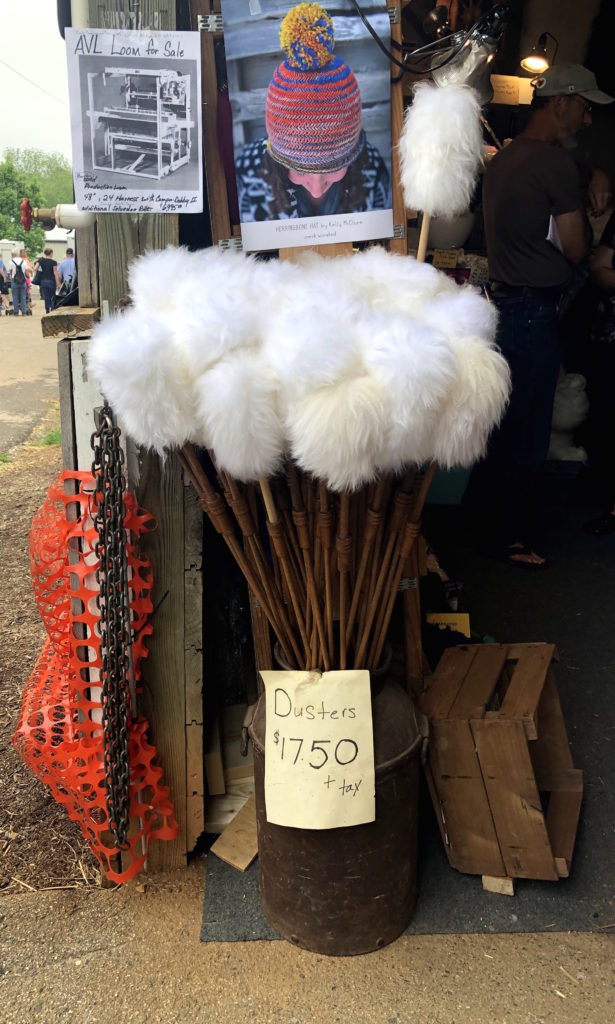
(307, 35)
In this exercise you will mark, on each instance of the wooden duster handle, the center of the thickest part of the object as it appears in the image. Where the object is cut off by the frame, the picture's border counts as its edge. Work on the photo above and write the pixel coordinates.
(423, 238)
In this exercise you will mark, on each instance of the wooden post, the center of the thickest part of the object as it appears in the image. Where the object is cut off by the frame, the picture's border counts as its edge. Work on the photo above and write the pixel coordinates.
(121, 237)
(400, 242)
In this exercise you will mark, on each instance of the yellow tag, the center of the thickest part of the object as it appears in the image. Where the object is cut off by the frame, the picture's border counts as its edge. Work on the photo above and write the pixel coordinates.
(459, 621)
(319, 749)
(505, 89)
(445, 259)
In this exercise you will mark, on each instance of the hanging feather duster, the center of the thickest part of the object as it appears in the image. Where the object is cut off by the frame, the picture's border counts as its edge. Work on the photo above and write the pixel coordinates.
(440, 149)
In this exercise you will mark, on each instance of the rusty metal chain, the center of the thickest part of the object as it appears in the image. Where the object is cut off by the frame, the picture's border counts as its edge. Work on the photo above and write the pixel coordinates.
(116, 676)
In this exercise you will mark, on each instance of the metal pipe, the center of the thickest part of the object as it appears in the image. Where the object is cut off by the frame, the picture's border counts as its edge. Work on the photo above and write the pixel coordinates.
(79, 13)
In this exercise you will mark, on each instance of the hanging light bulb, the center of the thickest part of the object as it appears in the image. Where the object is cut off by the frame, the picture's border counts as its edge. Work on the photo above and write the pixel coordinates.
(538, 59)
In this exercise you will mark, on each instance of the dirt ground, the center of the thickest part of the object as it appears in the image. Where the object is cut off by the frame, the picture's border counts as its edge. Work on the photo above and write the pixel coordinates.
(73, 952)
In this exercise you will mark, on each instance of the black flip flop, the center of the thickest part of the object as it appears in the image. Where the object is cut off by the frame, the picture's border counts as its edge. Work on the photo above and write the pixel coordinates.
(508, 556)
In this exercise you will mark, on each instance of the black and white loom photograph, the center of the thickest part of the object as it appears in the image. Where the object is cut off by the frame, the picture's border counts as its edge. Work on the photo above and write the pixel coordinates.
(136, 121)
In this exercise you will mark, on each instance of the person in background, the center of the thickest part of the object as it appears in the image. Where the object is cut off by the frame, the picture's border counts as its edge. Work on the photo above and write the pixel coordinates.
(29, 273)
(50, 278)
(600, 378)
(537, 232)
(24, 256)
(4, 286)
(67, 267)
(18, 270)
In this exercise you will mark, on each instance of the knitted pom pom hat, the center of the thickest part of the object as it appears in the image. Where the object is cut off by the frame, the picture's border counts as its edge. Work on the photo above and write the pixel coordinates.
(313, 109)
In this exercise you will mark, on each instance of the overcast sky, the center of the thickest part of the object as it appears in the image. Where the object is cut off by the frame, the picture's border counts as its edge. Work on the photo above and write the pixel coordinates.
(30, 43)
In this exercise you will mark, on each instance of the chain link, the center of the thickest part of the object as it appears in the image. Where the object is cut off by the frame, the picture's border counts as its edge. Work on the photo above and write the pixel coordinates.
(117, 677)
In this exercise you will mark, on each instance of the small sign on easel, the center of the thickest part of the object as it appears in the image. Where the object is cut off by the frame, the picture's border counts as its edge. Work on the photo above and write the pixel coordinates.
(319, 749)
(445, 259)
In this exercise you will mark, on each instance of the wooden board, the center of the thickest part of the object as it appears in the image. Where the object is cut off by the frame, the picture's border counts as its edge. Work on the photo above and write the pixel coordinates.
(214, 765)
(445, 683)
(479, 682)
(214, 173)
(160, 491)
(232, 722)
(86, 398)
(551, 751)
(502, 886)
(238, 844)
(399, 245)
(67, 423)
(220, 810)
(70, 321)
(86, 251)
(563, 815)
(463, 807)
(526, 686)
(121, 237)
(514, 799)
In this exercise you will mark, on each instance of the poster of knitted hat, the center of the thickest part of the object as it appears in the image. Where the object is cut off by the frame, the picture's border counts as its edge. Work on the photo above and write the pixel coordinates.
(310, 96)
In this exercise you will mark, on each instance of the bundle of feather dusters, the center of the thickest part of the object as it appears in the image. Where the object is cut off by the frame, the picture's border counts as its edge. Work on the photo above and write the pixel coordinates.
(353, 366)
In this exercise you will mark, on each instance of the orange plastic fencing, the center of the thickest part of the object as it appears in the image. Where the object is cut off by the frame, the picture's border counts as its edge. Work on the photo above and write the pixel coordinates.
(59, 734)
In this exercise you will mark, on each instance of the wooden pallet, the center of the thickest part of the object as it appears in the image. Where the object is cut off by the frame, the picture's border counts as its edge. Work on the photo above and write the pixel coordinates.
(500, 772)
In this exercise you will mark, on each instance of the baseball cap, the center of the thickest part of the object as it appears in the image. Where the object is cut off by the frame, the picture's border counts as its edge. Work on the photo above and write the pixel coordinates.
(571, 80)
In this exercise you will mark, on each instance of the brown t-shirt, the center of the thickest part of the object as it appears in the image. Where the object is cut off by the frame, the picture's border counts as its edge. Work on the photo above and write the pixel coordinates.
(525, 184)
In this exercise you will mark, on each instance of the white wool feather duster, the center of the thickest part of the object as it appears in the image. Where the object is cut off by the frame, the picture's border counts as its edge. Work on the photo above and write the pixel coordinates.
(464, 311)
(134, 360)
(310, 337)
(238, 418)
(440, 149)
(416, 369)
(337, 432)
(194, 296)
(392, 283)
(474, 405)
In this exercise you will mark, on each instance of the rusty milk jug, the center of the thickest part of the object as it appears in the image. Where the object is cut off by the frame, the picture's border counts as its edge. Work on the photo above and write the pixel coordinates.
(348, 890)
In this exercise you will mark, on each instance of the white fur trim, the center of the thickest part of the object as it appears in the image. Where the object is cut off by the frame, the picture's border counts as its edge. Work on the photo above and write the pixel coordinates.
(440, 149)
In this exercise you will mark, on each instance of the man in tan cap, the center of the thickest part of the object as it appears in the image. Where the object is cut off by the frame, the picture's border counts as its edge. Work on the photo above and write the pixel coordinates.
(537, 231)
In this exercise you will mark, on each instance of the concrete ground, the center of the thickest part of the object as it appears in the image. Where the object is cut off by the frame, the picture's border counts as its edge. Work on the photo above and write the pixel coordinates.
(28, 374)
(132, 955)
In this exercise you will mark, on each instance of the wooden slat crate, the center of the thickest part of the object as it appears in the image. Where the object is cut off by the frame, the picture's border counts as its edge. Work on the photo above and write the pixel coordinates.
(500, 772)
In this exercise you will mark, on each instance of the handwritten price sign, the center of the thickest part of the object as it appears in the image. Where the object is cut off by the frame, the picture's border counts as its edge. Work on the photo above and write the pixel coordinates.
(319, 749)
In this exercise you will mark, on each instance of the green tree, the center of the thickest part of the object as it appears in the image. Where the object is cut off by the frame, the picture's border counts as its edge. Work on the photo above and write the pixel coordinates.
(52, 171)
(15, 186)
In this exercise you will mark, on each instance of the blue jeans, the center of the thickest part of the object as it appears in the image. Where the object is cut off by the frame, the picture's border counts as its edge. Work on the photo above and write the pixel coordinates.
(19, 298)
(502, 490)
(48, 289)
